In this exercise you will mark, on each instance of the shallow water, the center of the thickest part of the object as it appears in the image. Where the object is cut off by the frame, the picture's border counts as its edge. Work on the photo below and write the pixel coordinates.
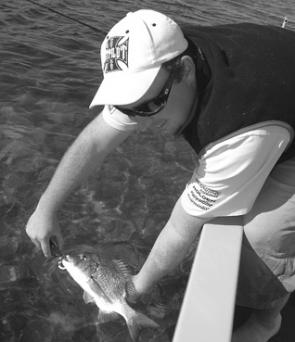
(49, 72)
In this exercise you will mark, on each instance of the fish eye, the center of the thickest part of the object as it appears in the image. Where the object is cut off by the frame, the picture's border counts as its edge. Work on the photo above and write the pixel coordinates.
(82, 257)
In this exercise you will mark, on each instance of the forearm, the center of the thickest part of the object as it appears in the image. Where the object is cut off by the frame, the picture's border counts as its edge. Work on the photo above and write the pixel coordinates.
(168, 251)
(170, 248)
(81, 159)
(85, 156)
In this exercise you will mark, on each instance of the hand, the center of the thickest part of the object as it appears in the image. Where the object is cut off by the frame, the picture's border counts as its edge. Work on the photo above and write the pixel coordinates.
(131, 293)
(43, 227)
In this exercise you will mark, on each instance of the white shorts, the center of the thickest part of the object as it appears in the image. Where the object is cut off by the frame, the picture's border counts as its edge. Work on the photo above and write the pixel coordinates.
(267, 271)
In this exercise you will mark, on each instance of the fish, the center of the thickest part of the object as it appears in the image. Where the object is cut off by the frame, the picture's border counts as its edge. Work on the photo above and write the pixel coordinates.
(104, 283)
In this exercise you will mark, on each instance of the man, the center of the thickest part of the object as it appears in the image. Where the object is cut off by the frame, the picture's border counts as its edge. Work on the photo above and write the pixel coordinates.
(229, 90)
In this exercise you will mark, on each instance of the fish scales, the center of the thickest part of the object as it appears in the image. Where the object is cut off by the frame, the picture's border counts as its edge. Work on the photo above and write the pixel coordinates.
(104, 283)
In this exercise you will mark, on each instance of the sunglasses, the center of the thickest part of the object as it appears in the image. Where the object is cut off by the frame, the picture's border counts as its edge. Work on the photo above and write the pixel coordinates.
(153, 106)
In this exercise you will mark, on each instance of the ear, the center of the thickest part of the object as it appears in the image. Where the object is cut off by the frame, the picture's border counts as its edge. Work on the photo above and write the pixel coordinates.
(187, 69)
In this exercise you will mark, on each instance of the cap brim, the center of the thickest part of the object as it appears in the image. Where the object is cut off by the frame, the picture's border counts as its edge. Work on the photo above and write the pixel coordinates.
(122, 88)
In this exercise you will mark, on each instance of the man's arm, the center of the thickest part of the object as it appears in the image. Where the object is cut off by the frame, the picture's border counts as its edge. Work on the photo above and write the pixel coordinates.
(170, 247)
(84, 156)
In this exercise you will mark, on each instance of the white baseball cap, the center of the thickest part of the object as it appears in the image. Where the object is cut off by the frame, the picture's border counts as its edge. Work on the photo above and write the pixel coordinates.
(132, 54)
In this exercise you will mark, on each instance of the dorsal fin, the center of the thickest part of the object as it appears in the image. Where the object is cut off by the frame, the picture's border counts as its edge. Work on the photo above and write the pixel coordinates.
(122, 267)
(88, 298)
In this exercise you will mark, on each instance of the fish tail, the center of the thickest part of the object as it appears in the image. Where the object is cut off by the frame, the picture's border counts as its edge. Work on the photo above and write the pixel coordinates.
(136, 321)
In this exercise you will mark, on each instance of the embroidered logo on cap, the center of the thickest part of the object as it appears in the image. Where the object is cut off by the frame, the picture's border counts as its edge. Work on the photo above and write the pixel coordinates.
(116, 54)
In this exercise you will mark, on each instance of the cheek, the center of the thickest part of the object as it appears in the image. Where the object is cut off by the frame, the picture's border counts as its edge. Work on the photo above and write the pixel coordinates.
(179, 107)
(157, 122)
(171, 117)
(176, 102)
(175, 113)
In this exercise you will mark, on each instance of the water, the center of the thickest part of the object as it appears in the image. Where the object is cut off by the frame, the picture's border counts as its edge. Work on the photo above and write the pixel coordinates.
(49, 72)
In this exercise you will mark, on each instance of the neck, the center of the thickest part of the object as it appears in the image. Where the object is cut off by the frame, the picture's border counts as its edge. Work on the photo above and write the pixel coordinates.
(201, 80)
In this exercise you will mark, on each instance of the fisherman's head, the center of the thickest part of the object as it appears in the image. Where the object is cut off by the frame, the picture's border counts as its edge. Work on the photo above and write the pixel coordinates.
(147, 72)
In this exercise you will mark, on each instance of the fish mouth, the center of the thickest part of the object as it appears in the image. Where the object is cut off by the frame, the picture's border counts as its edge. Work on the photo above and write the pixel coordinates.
(62, 261)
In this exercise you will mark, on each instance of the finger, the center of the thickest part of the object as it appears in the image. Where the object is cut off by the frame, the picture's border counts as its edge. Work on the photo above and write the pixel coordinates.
(132, 294)
(60, 240)
(46, 248)
(36, 243)
(33, 239)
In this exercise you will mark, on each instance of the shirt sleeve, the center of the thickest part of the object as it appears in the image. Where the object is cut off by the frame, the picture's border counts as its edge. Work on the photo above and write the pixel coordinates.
(231, 172)
(118, 120)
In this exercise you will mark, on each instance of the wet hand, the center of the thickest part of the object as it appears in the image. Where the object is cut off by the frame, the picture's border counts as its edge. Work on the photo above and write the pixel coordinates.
(43, 230)
(131, 293)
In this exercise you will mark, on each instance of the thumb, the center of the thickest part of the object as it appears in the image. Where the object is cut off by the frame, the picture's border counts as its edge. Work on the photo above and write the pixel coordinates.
(45, 247)
(131, 293)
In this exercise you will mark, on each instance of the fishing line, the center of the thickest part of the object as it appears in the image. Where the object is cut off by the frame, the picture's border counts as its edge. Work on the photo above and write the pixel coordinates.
(64, 15)
(285, 20)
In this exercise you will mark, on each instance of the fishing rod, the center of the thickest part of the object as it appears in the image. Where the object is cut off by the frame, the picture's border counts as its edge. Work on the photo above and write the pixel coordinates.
(284, 22)
(64, 15)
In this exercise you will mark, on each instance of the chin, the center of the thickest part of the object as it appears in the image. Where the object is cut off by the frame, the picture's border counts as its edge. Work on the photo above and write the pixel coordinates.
(172, 133)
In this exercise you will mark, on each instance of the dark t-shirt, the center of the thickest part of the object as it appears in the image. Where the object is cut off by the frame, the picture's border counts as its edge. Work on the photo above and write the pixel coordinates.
(247, 76)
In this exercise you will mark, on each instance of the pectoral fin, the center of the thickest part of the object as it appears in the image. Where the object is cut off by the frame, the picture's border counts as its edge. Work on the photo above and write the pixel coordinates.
(87, 298)
(121, 267)
(104, 317)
